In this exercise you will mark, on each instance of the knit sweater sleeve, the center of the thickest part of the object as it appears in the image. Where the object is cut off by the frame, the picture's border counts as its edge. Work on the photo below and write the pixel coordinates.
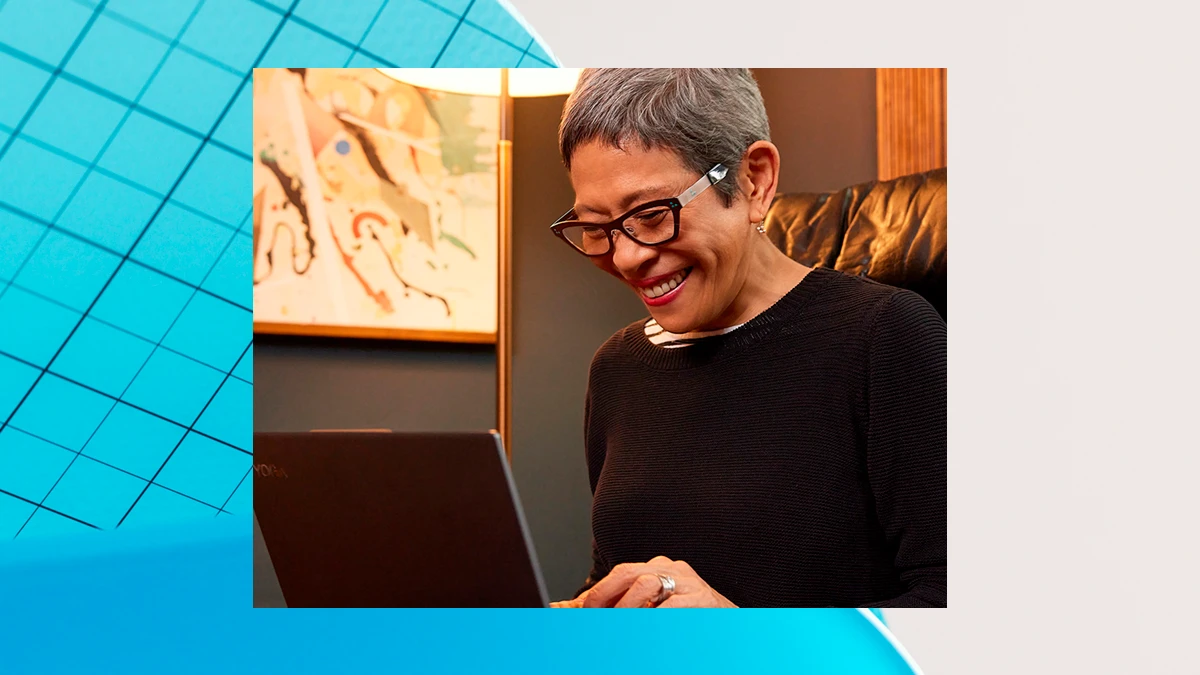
(906, 443)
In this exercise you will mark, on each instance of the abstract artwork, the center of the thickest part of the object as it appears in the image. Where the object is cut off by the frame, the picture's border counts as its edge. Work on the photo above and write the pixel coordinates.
(374, 207)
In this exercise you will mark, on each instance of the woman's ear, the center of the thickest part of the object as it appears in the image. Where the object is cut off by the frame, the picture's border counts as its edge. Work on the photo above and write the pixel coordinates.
(759, 178)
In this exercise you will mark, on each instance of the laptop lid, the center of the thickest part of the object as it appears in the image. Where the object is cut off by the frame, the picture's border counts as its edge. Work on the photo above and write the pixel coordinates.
(394, 520)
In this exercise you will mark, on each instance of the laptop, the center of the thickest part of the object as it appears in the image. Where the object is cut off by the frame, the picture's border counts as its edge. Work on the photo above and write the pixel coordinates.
(383, 519)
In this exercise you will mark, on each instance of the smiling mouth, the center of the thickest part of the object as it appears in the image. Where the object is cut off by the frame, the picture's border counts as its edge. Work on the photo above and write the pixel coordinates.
(667, 286)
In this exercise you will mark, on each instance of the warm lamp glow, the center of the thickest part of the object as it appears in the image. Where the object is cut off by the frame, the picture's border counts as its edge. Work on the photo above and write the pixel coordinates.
(522, 82)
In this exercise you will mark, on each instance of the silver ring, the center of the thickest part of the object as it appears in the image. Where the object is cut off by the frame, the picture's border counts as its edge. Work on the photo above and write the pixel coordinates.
(668, 588)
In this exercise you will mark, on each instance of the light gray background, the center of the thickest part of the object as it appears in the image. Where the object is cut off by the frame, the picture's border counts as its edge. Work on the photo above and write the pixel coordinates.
(1073, 352)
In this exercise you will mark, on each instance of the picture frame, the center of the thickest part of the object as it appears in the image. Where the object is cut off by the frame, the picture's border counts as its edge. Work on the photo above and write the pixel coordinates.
(375, 208)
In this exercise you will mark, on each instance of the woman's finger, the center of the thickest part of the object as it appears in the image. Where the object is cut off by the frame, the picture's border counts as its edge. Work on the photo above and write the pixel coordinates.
(677, 601)
(572, 603)
(606, 591)
(642, 591)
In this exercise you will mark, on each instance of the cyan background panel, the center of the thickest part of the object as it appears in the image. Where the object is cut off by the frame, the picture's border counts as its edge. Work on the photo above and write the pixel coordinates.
(410, 31)
(32, 329)
(117, 57)
(149, 152)
(102, 357)
(159, 300)
(299, 46)
(75, 119)
(108, 212)
(44, 29)
(36, 180)
(198, 104)
(134, 441)
(348, 19)
(125, 249)
(21, 84)
(493, 18)
(468, 45)
(164, 18)
(18, 237)
(75, 285)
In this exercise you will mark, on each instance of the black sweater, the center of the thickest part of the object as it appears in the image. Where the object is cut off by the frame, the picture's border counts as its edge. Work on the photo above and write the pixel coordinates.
(799, 460)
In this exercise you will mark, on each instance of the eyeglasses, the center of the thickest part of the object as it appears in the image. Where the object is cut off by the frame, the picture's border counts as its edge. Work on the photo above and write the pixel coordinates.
(651, 224)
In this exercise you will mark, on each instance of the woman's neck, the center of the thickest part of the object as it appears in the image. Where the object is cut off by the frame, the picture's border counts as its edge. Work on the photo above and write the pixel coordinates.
(769, 276)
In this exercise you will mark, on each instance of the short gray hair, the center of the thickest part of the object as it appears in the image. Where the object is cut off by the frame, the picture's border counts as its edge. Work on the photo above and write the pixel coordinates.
(705, 115)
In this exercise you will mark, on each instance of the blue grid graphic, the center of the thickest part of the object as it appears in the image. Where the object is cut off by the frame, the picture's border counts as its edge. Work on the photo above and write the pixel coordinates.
(125, 255)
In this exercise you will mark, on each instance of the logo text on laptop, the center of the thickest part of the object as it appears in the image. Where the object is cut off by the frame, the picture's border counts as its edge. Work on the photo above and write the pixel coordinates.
(270, 471)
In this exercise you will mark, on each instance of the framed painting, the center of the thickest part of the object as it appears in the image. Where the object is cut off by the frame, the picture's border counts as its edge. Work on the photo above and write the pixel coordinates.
(375, 208)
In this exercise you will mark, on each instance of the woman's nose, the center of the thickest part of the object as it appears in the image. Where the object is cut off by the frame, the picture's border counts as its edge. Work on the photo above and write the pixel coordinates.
(627, 254)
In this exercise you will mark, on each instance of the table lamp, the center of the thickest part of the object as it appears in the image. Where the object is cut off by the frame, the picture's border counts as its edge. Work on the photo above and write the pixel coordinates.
(506, 83)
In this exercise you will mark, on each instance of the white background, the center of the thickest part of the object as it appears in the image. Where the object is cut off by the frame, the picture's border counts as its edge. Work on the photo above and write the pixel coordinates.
(1074, 338)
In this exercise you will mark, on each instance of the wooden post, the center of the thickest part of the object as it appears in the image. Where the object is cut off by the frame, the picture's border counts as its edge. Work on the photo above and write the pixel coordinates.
(910, 105)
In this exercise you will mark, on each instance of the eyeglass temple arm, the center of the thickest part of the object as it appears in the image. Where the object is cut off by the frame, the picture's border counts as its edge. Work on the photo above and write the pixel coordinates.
(713, 177)
(562, 217)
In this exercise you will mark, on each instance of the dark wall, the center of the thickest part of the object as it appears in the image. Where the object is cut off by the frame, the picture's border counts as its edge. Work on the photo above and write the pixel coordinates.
(322, 383)
(823, 121)
(564, 309)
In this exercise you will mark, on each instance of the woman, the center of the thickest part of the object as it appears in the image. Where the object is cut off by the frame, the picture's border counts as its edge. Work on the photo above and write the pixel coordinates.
(773, 435)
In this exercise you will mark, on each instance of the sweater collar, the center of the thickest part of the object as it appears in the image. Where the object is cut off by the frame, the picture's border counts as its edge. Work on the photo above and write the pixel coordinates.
(717, 347)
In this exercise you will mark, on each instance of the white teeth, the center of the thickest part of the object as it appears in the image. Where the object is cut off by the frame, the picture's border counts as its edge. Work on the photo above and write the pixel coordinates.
(666, 286)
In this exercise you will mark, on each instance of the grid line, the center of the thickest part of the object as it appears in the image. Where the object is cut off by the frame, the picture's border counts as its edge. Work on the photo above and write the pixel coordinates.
(117, 98)
(3, 151)
(124, 259)
(145, 87)
(74, 235)
(150, 32)
(133, 379)
(300, 21)
(446, 45)
(181, 440)
(39, 506)
(257, 60)
(120, 329)
(125, 117)
(231, 494)
(108, 174)
(53, 75)
(88, 457)
(127, 181)
(133, 405)
(370, 26)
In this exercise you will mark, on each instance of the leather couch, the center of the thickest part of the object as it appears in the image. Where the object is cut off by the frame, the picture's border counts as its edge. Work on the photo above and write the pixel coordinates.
(891, 231)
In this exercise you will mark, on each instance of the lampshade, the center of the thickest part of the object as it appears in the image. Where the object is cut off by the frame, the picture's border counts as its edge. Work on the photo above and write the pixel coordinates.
(522, 82)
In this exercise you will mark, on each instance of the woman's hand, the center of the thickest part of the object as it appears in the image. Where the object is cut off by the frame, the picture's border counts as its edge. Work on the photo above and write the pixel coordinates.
(570, 604)
(638, 585)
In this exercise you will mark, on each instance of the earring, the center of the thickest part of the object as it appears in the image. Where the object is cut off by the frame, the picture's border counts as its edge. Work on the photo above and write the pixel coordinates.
(760, 229)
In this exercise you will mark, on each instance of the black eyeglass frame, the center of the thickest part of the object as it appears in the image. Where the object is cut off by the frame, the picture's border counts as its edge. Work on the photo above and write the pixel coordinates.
(675, 204)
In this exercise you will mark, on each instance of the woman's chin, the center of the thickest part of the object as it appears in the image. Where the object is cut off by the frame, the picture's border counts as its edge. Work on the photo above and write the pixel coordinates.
(672, 320)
